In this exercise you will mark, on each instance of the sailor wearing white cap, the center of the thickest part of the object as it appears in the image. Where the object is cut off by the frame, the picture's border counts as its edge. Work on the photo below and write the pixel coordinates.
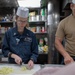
(19, 43)
(22, 12)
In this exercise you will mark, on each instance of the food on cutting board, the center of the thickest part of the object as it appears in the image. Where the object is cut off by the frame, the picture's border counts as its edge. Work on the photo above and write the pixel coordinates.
(12, 70)
(6, 70)
(23, 68)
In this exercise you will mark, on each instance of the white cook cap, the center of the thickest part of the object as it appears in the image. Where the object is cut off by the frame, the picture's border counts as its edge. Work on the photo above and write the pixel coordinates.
(22, 12)
(73, 1)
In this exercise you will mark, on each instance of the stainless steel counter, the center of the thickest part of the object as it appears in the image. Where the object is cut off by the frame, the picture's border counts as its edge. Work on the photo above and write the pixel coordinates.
(42, 66)
(51, 65)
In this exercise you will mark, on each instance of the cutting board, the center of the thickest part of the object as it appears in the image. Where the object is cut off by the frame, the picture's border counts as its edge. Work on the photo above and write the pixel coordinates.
(18, 71)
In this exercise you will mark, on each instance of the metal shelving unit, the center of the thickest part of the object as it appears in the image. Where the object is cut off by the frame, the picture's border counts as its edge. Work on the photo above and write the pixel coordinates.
(5, 24)
(39, 35)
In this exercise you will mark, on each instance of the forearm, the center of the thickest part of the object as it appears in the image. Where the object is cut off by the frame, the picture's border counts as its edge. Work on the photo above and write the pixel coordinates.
(12, 55)
(34, 57)
(61, 49)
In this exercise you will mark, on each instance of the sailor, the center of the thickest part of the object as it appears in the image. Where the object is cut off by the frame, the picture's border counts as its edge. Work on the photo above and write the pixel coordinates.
(19, 43)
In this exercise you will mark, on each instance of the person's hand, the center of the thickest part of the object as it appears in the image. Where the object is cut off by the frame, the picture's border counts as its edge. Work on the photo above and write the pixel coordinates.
(30, 64)
(18, 60)
(68, 60)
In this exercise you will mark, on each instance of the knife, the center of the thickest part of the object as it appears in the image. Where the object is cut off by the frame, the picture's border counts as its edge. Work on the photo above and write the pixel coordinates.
(21, 63)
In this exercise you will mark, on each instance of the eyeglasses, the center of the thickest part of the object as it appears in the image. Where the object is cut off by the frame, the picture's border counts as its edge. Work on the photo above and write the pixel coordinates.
(22, 21)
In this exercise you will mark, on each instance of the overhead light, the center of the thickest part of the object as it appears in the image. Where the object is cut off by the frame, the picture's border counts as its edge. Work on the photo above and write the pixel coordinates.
(29, 3)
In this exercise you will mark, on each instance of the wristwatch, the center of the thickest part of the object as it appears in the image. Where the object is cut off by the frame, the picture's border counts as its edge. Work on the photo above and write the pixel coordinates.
(9, 55)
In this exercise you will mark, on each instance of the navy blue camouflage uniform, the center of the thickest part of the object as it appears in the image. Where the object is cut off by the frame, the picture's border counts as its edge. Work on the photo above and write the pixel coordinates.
(25, 45)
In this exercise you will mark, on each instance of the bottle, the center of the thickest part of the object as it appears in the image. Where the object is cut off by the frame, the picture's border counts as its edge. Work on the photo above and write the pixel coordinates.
(43, 14)
(41, 45)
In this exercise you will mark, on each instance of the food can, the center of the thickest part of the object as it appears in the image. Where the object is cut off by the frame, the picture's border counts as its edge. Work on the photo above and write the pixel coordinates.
(38, 29)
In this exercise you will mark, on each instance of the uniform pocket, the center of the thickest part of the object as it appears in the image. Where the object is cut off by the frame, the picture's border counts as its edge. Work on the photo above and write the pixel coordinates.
(27, 45)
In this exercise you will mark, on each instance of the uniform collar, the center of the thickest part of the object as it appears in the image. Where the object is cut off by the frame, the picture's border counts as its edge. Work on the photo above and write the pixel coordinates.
(15, 32)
